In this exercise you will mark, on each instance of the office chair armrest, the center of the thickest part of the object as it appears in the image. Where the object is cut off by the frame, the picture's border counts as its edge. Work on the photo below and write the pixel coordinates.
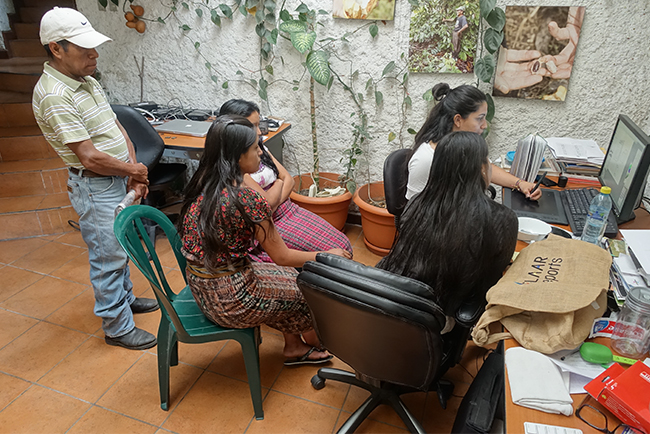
(469, 312)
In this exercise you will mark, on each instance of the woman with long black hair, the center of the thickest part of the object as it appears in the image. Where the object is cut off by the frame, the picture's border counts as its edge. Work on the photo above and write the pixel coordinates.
(463, 108)
(452, 236)
(219, 220)
(299, 228)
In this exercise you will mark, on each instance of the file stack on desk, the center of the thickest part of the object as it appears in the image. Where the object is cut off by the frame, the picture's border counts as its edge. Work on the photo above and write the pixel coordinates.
(629, 269)
(528, 158)
(578, 157)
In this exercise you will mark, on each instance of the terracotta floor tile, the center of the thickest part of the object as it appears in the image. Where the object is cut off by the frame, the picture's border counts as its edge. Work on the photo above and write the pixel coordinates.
(230, 361)
(101, 421)
(90, 370)
(288, 414)
(371, 426)
(43, 297)
(15, 280)
(435, 418)
(214, 401)
(296, 381)
(56, 412)
(14, 249)
(73, 238)
(165, 253)
(39, 349)
(415, 402)
(13, 325)
(10, 388)
(49, 257)
(140, 283)
(363, 255)
(136, 393)
(17, 204)
(77, 314)
(148, 321)
(199, 355)
(76, 270)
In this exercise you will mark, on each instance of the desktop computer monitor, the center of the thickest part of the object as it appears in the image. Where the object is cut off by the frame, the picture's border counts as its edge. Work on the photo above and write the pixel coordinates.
(625, 168)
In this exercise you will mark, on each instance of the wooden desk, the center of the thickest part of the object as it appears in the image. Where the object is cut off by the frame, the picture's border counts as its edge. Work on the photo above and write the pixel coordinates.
(516, 415)
(189, 147)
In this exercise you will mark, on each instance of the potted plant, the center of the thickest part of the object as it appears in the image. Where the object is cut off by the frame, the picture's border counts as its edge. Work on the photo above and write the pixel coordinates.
(331, 204)
(378, 224)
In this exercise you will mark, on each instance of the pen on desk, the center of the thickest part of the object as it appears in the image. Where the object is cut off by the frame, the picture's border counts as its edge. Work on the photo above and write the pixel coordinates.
(541, 178)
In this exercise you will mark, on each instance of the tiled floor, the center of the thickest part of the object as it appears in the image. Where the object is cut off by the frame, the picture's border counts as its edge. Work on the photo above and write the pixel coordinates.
(57, 375)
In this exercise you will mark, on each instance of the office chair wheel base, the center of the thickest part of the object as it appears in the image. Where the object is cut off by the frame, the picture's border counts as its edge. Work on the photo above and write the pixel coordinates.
(317, 382)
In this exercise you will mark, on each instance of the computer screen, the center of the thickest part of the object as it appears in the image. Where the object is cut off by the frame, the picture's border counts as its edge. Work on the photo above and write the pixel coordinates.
(625, 169)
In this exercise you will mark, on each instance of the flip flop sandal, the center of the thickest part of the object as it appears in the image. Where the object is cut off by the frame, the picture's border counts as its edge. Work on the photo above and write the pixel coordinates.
(305, 360)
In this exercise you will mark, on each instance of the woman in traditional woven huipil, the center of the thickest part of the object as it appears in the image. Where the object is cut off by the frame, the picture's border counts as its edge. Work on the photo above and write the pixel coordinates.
(299, 228)
(219, 220)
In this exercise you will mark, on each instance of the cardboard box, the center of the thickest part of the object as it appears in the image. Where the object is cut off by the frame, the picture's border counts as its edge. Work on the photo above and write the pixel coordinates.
(625, 392)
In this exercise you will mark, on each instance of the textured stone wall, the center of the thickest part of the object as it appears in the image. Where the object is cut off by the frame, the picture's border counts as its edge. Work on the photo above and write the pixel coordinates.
(6, 7)
(610, 76)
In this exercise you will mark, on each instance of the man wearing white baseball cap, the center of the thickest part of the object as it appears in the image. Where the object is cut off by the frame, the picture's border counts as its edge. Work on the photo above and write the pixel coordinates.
(76, 119)
(459, 27)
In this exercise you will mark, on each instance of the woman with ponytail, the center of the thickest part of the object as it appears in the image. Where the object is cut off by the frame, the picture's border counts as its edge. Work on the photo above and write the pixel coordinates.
(463, 108)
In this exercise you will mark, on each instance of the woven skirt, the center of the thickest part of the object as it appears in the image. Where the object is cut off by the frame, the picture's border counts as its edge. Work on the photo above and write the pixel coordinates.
(259, 293)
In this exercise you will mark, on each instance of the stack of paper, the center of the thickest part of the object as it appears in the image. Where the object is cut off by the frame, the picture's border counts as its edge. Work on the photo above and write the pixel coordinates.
(528, 157)
(577, 156)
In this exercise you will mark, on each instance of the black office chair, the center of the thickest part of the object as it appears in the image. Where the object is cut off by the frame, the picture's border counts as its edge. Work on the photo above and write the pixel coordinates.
(149, 147)
(396, 180)
(387, 329)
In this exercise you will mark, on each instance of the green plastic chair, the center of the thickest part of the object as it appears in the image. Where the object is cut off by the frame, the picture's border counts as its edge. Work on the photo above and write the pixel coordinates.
(181, 319)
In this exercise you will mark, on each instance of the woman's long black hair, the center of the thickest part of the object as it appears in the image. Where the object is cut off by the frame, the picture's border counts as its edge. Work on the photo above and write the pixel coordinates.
(228, 138)
(462, 100)
(246, 108)
(443, 229)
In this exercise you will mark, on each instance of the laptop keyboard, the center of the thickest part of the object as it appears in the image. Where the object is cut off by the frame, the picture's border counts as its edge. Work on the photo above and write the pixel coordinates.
(576, 204)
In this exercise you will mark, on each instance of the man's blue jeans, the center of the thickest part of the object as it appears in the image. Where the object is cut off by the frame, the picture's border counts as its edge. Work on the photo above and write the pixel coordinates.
(94, 200)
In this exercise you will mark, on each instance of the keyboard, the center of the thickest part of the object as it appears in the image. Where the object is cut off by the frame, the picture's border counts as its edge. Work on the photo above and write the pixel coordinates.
(576, 205)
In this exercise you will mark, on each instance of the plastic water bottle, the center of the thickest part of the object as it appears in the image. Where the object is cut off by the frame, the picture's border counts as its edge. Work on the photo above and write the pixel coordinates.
(128, 200)
(597, 217)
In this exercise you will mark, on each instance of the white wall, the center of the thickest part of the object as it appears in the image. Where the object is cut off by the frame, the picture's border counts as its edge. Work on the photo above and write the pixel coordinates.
(610, 76)
(6, 7)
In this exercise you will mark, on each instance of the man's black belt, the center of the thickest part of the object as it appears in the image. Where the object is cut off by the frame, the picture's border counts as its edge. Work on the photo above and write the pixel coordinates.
(86, 173)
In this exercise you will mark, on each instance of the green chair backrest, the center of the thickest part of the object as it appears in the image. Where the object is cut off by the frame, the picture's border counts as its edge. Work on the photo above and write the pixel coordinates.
(131, 234)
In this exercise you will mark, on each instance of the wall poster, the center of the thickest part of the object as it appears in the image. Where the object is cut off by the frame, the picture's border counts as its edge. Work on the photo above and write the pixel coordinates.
(536, 57)
(443, 35)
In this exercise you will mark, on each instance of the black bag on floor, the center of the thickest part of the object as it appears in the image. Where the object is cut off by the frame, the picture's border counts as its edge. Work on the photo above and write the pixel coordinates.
(484, 399)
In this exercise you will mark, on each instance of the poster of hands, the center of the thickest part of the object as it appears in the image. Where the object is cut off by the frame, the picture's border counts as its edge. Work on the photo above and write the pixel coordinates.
(364, 9)
(536, 57)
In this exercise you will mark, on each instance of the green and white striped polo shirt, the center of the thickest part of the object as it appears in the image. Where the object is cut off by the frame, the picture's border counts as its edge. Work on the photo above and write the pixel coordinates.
(69, 111)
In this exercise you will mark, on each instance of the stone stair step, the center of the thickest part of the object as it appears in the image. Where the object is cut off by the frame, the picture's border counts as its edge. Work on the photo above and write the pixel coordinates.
(33, 183)
(33, 165)
(20, 131)
(34, 203)
(20, 83)
(31, 148)
(17, 115)
(49, 4)
(14, 97)
(26, 30)
(25, 48)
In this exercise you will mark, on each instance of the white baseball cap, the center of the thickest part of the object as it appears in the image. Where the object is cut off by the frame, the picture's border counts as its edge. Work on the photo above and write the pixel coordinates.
(461, 8)
(68, 24)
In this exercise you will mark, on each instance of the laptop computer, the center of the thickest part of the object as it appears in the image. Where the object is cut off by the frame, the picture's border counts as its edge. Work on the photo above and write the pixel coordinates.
(185, 127)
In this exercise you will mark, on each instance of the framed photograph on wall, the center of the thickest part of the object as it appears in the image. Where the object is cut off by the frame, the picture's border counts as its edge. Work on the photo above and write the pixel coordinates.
(364, 9)
(536, 56)
(443, 35)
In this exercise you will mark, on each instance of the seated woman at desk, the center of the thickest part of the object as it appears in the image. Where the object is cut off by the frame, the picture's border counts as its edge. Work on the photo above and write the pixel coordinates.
(219, 219)
(461, 109)
(452, 236)
(300, 229)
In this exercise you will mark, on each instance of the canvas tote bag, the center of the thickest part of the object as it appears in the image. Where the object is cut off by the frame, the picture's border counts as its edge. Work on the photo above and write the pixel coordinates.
(549, 297)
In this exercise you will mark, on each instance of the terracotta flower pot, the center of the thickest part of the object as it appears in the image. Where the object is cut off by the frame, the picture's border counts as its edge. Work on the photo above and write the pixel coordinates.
(378, 224)
(333, 209)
